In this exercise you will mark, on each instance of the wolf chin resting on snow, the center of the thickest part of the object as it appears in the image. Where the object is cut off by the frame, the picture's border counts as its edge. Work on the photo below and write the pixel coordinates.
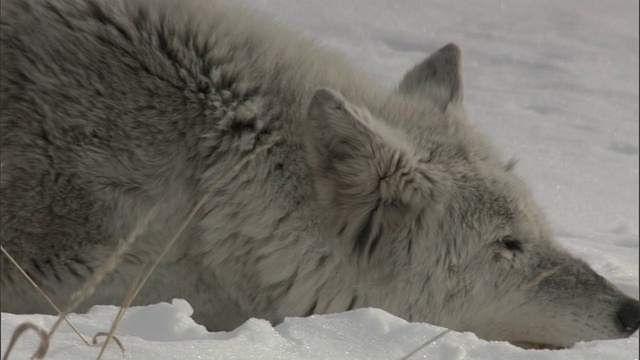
(116, 110)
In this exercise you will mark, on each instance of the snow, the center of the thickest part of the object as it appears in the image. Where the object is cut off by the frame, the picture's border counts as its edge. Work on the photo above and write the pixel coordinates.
(554, 83)
(165, 331)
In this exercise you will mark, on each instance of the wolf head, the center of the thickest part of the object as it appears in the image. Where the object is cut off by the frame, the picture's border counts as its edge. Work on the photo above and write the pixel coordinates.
(414, 197)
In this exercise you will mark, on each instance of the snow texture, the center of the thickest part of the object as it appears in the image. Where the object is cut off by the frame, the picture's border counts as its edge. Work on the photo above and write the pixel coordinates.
(554, 83)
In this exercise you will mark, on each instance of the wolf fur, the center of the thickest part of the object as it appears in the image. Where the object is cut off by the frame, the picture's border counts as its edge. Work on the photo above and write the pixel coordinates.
(116, 110)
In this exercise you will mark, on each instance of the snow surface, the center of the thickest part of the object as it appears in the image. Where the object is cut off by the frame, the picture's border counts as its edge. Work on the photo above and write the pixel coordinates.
(554, 83)
(165, 331)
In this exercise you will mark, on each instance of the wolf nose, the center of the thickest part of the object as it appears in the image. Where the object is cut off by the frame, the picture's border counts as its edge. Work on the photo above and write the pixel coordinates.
(629, 315)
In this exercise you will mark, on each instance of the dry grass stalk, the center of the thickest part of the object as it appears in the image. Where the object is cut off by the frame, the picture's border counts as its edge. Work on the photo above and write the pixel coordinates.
(131, 295)
(85, 291)
(44, 295)
(89, 286)
(42, 333)
(234, 171)
(116, 322)
(427, 343)
(109, 336)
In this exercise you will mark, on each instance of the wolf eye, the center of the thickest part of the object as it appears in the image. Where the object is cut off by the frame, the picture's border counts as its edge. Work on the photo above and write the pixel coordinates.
(511, 244)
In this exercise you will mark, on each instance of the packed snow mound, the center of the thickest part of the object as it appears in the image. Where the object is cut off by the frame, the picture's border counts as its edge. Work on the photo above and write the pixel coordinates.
(166, 331)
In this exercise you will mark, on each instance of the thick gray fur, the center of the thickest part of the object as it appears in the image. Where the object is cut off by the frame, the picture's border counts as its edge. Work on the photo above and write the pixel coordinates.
(112, 110)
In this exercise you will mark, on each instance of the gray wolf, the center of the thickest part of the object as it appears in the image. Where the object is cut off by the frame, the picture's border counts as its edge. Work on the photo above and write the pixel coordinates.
(365, 197)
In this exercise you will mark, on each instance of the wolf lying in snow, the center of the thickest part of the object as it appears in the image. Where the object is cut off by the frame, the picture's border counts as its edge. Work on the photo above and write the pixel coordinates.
(324, 191)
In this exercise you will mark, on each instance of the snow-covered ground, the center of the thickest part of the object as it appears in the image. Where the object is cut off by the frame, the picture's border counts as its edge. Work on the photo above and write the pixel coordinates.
(554, 83)
(165, 331)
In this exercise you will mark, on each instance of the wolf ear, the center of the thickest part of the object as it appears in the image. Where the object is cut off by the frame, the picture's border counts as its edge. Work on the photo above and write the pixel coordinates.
(366, 180)
(437, 77)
